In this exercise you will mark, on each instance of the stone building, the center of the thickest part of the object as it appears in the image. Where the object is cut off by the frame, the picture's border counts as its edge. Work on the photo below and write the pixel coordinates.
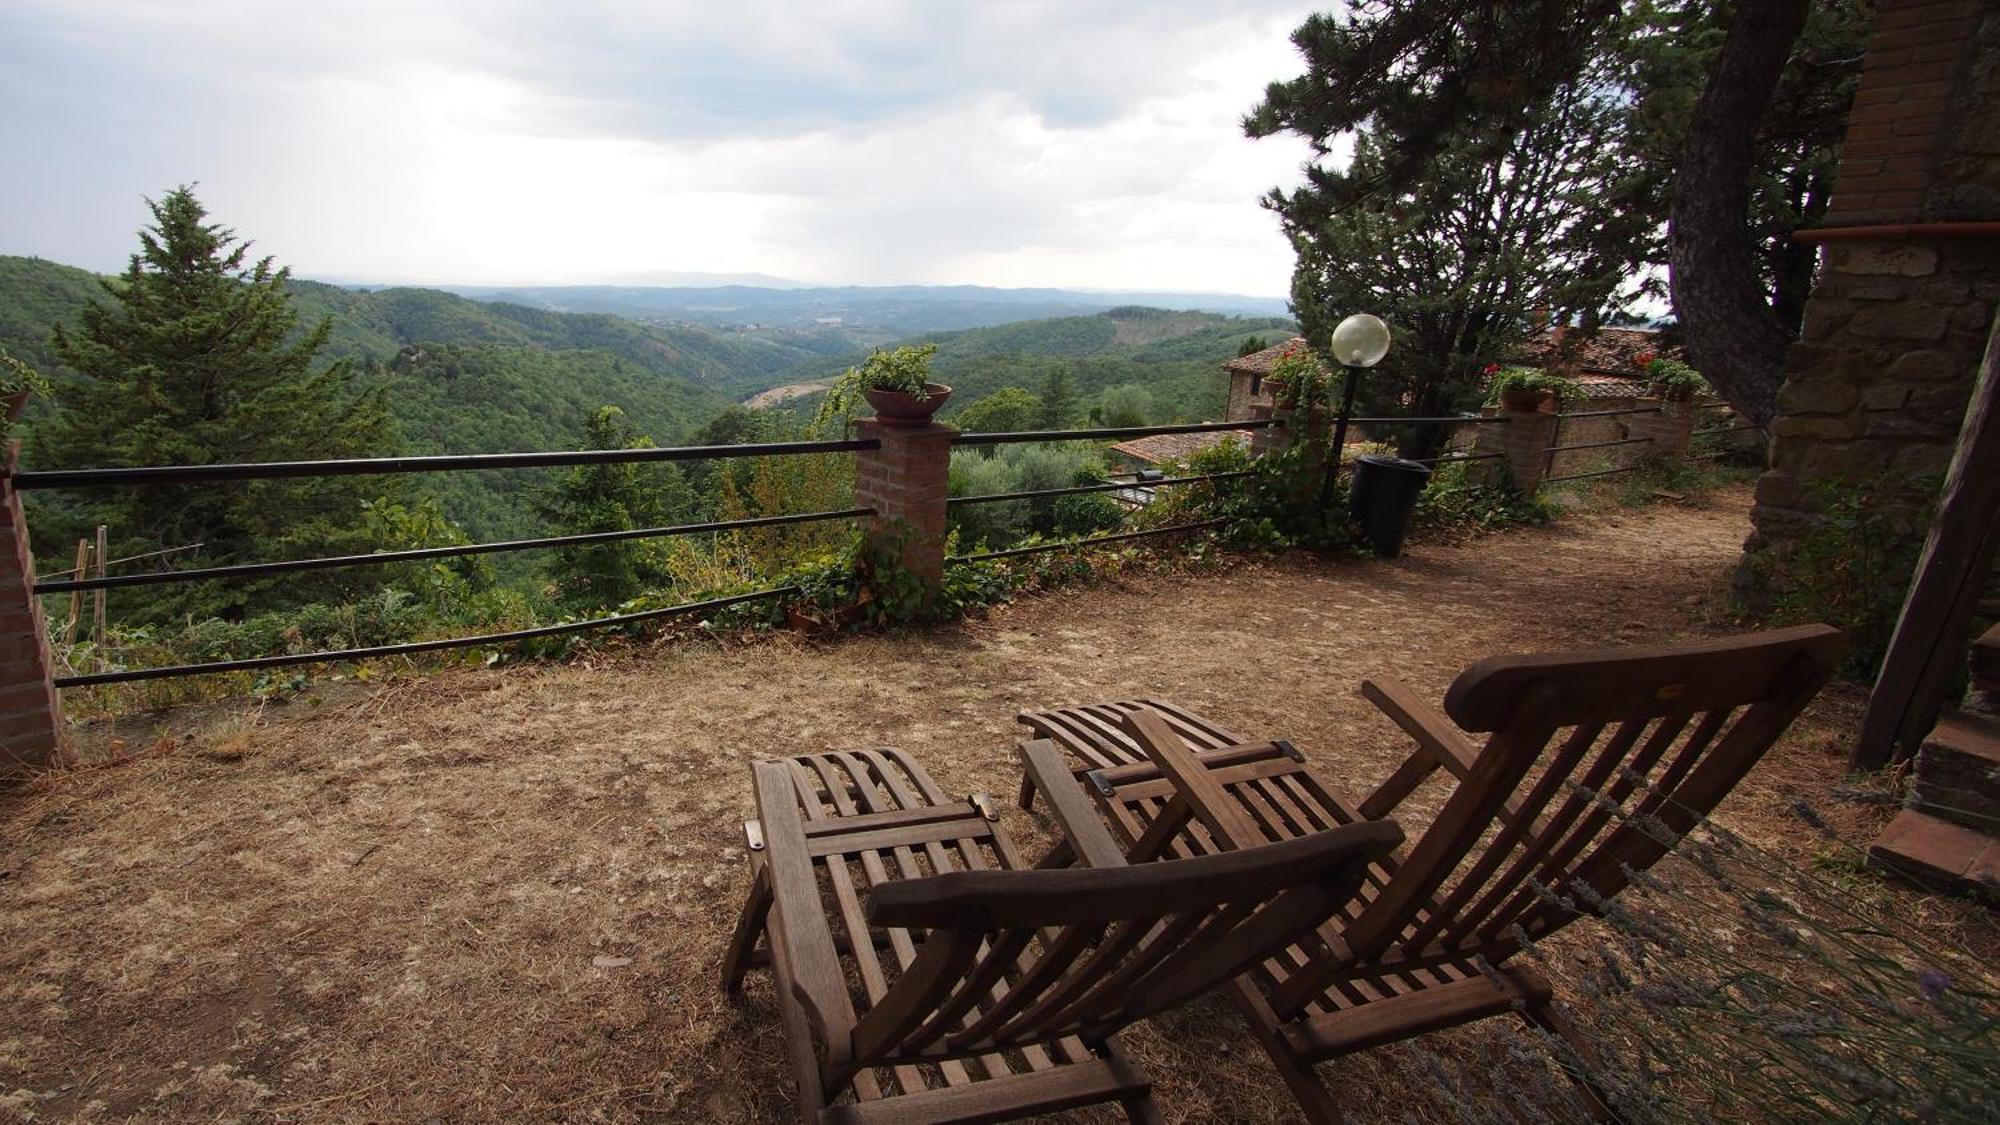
(1876, 387)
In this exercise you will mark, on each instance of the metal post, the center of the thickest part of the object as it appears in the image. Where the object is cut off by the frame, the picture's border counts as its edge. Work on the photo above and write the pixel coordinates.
(1339, 438)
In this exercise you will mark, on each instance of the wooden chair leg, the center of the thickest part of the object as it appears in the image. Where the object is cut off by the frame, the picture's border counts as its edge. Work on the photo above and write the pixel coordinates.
(749, 927)
(1300, 1076)
(1142, 1110)
(1596, 1100)
(1027, 791)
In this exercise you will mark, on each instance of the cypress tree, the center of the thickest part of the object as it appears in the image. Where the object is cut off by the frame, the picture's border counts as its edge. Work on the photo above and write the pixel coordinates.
(196, 358)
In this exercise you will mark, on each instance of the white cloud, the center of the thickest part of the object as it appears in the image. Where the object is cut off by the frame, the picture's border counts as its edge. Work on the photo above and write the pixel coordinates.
(1079, 144)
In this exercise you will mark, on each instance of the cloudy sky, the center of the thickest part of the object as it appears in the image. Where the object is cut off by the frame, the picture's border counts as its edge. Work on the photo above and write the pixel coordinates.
(1069, 142)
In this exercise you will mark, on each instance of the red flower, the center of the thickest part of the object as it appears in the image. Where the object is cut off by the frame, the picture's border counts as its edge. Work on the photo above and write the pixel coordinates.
(1643, 360)
(1489, 369)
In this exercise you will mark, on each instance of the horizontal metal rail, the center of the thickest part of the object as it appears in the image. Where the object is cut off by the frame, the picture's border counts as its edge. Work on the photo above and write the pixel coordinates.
(1724, 430)
(411, 647)
(1609, 413)
(1597, 444)
(1583, 476)
(1714, 405)
(1448, 459)
(1457, 419)
(1038, 548)
(364, 466)
(1111, 486)
(1106, 434)
(383, 558)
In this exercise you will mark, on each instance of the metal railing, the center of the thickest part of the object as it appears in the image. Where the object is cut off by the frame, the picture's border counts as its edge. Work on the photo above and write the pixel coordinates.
(469, 462)
(411, 647)
(1112, 433)
(1079, 544)
(1107, 486)
(195, 474)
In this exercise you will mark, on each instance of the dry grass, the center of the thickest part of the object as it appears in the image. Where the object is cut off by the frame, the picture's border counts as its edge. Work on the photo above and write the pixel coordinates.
(493, 895)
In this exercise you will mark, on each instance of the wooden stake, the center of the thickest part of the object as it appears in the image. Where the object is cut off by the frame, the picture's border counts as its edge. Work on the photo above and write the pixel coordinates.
(1931, 635)
(76, 596)
(97, 595)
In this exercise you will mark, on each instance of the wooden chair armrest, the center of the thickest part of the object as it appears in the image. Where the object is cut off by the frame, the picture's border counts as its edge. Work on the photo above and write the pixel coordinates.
(1082, 830)
(1222, 814)
(1439, 743)
(797, 920)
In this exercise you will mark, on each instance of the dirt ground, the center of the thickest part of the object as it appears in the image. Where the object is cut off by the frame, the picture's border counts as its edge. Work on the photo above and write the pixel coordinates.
(503, 895)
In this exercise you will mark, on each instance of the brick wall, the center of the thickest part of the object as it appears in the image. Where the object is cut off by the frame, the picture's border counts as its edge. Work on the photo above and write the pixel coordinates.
(29, 732)
(1876, 386)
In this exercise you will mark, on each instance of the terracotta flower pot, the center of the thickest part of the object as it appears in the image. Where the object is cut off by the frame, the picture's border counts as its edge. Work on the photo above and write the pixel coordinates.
(906, 411)
(1521, 398)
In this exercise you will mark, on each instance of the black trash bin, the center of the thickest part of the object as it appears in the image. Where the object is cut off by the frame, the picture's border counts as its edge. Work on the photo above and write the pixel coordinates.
(1385, 493)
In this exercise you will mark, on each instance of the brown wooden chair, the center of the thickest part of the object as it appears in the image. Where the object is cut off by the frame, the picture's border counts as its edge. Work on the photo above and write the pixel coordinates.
(960, 988)
(1093, 737)
(1593, 762)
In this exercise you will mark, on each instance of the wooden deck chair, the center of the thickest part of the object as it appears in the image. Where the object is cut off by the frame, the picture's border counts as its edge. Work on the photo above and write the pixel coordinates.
(1593, 761)
(1094, 737)
(922, 977)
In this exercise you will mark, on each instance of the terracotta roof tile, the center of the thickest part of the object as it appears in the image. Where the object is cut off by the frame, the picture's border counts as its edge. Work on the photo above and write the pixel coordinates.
(1607, 352)
(1160, 448)
(1260, 363)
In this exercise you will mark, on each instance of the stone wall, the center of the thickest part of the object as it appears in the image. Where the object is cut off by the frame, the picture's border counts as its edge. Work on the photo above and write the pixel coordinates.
(1876, 386)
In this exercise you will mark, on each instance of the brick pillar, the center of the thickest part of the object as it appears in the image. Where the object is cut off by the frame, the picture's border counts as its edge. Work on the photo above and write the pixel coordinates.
(1523, 444)
(1672, 430)
(906, 482)
(1266, 440)
(30, 723)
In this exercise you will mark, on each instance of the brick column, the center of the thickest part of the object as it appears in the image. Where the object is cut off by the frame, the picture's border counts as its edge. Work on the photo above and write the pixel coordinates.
(1523, 444)
(1672, 430)
(1267, 440)
(30, 724)
(906, 482)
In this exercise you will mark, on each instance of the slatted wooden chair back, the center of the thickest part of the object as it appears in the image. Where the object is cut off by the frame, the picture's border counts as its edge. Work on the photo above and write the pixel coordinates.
(1016, 958)
(1595, 765)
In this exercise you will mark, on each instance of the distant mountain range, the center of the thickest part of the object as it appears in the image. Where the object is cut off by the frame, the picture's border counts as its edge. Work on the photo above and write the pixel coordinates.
(870, 314)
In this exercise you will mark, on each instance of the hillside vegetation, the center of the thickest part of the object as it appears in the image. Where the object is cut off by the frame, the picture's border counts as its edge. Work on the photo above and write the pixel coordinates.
(1172, 359)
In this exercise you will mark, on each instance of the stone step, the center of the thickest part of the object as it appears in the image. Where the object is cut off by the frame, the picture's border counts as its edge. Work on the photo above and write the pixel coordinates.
(1956, 775)
(1986, 661)
(1938, 855)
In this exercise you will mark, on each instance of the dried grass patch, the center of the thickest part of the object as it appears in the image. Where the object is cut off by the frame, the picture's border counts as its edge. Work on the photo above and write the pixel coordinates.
(503, 895)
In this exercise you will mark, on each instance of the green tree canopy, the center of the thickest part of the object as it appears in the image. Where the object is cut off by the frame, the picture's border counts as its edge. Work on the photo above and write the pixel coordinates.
(1007, 410)
(611, 497)
(1736, 111)
(194, 358)
(1127, 404)
(1462, 262)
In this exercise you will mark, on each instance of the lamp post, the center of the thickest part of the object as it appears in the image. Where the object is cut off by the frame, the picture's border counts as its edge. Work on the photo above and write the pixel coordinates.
(1358, 342)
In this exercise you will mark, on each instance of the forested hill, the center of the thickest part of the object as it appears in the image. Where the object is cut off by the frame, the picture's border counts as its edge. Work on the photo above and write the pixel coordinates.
(36, 294)
(1173, 358)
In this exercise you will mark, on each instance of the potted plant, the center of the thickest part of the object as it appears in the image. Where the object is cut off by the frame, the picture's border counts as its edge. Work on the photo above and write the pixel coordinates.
(896, 383)
(1671, 380)
(1528, 388)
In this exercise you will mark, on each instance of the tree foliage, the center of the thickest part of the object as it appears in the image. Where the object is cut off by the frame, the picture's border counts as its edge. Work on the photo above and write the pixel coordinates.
(191, 358)
(1007, 410)
(1463, 261)
(1734, 116)
(611, 497)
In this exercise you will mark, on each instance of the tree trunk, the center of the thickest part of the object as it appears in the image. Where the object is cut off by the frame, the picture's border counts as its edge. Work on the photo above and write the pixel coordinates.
(1733, 336)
